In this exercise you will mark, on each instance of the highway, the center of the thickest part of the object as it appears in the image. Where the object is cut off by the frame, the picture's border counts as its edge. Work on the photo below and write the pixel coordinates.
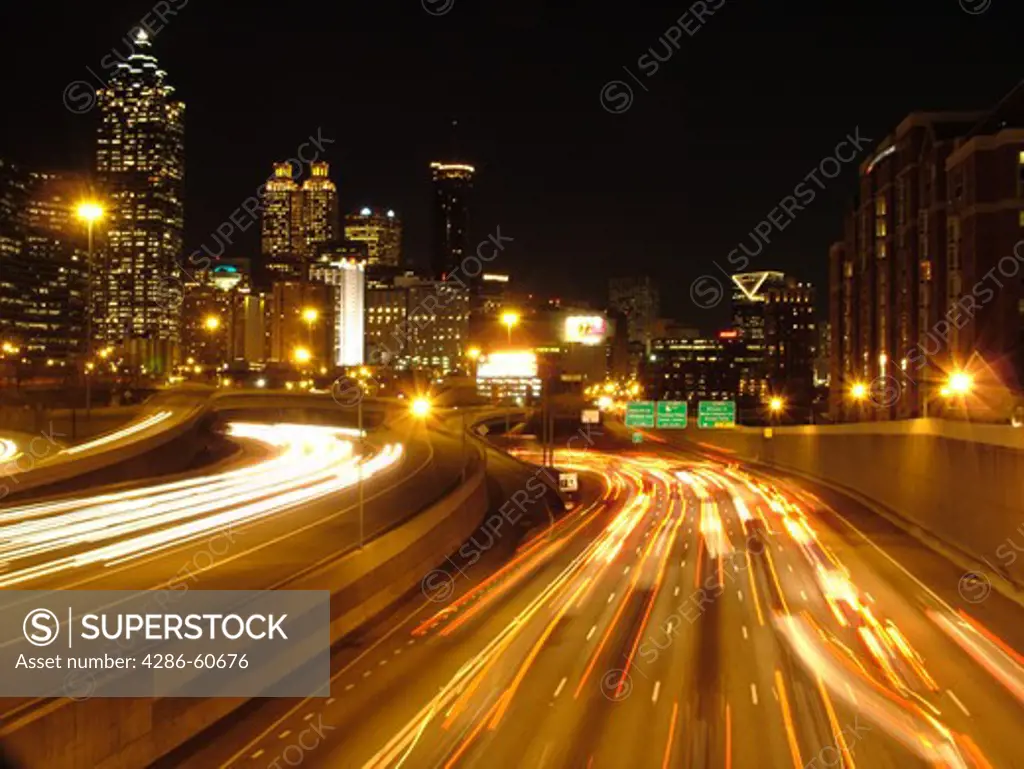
(686, 613)
(280, 506)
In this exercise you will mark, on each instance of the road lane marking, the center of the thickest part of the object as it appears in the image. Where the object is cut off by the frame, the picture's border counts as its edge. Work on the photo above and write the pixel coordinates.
(657, 688)
(744, 629)
(675, 592)
(740, 594)
(753, 693)
(591, 633)
(626, 570)
(803, 595)
(959, 704)
(561, 685)
(284, 734)
(611, 597)
(350, 687)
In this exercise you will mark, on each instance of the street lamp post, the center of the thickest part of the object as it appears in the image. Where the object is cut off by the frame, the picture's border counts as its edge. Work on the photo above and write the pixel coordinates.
(509, 319)
(88, 212)
(362, 453)
(310, 315)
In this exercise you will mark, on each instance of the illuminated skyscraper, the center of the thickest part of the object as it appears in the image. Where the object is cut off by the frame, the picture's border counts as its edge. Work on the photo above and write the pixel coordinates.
(140, 165)
(282, 240)
(297, 221)
(319, 209)
(347, 281)
(453, 183)
(382, 234)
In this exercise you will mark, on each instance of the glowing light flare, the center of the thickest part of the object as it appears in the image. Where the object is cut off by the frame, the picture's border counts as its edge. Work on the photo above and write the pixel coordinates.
(89, 211)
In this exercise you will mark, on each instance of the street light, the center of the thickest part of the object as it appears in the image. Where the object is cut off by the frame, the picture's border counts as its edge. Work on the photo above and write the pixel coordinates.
(420, 407)
(775, 406)
(89, 212)
(211, 323)
(960, 383)
(510, 319)
(859, 391)
(302, 355)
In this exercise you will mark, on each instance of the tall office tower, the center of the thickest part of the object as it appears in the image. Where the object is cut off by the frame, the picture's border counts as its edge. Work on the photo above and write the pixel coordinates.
(790, 342)
(382, 234)
(56, 255)
(748, 318)
(14, 300)
(140, 165)
(637, 298)
(282, 239)
(347, 280)
(319, 210)
(453, 183)
(42, 264)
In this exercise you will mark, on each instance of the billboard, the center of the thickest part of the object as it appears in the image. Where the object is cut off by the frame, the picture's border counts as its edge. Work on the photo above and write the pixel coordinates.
(507, 365)
(586, 329)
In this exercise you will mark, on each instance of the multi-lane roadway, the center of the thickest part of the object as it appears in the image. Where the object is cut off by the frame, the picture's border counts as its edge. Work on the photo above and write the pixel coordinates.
(685, 613)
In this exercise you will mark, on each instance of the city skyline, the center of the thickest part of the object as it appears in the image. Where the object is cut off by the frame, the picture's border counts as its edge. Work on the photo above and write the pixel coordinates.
(378, 158)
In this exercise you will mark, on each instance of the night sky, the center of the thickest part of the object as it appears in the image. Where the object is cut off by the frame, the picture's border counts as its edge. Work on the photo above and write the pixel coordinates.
(728, 125)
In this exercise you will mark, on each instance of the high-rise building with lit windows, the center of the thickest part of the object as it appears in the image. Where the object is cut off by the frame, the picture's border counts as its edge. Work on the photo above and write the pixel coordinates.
(382, 234)
(140, 167)
(282, 239)
(347, 283)
(42, 264)
(453, 183)
(298, 220)
(319, 209)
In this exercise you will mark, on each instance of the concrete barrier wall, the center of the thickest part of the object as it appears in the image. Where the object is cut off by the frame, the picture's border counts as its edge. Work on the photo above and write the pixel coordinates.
(961, 483)
(133, 733)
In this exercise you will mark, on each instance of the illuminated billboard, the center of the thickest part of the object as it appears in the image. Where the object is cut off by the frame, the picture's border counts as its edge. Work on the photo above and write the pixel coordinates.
(585, 329)
(507, 365)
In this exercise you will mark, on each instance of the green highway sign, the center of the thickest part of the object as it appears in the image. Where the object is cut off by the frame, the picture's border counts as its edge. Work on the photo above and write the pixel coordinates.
(640, 414)
(671, 415)
(716, 414)
(637, 438)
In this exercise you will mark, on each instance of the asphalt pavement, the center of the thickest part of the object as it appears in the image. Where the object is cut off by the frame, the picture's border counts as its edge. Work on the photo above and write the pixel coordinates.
(685, 613)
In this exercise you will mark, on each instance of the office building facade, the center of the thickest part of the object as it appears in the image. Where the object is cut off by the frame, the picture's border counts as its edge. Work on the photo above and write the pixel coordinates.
(453, 185)
(918, 286)
(140, 169)
(382, 234)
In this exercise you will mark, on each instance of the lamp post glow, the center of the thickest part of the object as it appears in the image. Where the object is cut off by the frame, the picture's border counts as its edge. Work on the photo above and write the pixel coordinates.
(510, 319)
(211, 323)
(420, 407)
(302, 355)
(960, 383)
(89, 212)
(859, 391)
